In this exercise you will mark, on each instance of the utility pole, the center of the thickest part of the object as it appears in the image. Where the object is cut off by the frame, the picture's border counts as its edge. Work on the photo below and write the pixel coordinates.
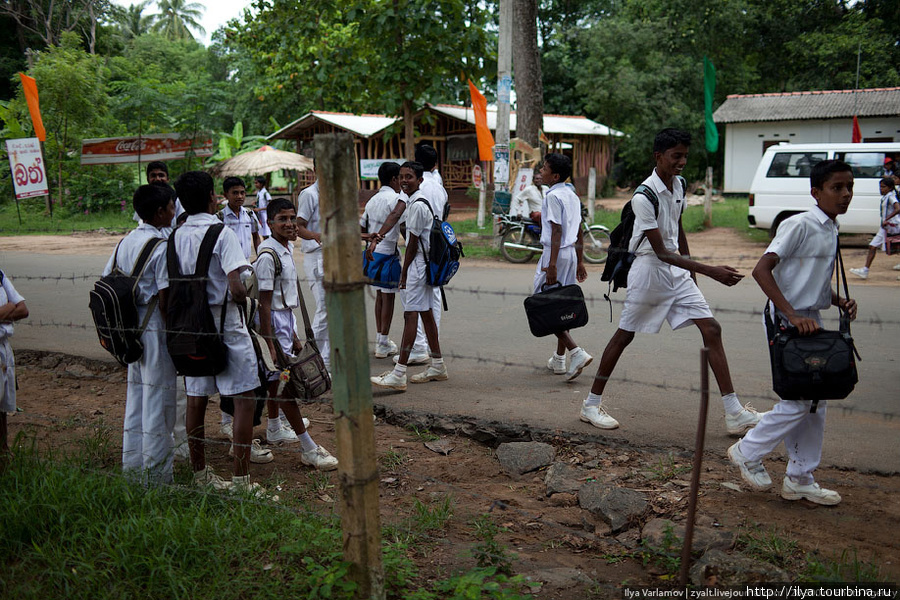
(504, 86)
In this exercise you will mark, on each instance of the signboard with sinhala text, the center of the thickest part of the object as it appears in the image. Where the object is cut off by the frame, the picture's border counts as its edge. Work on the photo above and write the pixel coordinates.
(27, 166)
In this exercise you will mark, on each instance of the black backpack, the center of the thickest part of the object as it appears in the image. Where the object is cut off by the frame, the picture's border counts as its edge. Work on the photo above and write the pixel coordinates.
(114, 308)
(195, 344)
(619, 258)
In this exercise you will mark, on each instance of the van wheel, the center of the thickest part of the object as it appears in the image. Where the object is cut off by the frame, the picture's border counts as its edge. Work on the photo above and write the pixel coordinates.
(774, 228)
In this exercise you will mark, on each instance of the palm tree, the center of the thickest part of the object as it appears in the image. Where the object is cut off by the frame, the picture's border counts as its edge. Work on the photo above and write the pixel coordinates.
(177, 17)
(132, 21)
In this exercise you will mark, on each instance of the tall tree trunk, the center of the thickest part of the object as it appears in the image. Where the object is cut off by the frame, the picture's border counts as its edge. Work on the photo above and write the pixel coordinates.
(527, 71)
(409, 140)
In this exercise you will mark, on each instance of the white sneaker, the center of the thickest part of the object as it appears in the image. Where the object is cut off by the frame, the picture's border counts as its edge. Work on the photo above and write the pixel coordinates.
(287, 424)
(862, 273)
(320, 459)
(578, 361)
(811, 492)
(598, 417)
(896, 267)
(227, 429)
(385, 350)
(753, 471)
(282, 436)
(432, 373)
(207, 478)
(557, 365)
(389, 380)
(415, 358)
(181, 451)
(241, 484)
(743, 421)
(258, 454)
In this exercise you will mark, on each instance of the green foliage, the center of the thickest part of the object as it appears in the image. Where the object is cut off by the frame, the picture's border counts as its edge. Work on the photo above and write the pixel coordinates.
(666, 556)
(422, 434)
(176, 18)
(666, 468)
(840, 569)
(432, 517)
(482, 584)
(769, 545)
(488, 552)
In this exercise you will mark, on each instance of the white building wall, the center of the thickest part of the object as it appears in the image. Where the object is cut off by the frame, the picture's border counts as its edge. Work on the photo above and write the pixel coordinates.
(744, 141)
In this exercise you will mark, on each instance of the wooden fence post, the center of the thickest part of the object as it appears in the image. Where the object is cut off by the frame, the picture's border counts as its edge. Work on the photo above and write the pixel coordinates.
(345, 300)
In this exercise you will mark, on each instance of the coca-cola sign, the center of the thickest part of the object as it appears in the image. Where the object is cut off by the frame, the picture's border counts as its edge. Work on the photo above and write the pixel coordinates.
(157, 146)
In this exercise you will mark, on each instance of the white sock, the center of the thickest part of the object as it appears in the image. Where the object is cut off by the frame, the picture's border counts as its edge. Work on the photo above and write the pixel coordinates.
(437, 363)
(274, 424)
(559, 357)
(379, 339)
(281, 416)
(594, 400)
(732, 404)
(574, 350)
(226, 418)
(307, 442)
(400, 370)
(866, 269)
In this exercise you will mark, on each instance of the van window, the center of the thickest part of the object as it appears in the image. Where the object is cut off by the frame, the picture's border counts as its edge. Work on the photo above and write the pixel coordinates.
(794, 164)
(866, 165)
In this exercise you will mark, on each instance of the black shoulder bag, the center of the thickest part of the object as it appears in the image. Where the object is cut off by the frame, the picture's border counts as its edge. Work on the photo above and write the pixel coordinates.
(821, 366)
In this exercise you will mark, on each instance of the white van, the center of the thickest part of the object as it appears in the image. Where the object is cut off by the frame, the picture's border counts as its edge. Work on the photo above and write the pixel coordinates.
(780, 187)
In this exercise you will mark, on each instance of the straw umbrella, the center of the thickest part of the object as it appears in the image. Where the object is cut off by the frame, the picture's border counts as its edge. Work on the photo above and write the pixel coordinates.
(261, 161)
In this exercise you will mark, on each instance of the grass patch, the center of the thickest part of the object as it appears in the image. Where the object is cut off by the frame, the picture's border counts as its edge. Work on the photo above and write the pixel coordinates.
(769, 545)
(666, 468)
(36, 222)
(488, 552)
(432, 517)
(422, 434)
(841, 568)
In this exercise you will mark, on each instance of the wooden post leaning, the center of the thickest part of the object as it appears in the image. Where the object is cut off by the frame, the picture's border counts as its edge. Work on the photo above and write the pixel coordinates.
(345, 301)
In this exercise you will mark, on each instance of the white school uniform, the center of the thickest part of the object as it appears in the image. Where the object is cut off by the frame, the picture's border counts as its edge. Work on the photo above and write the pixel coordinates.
(285, 293)
(562, 207)
(263, 197)
(308, 210)
(244, 225)
(376, 213)
(151, 389)
(240, 374)
(657, 291)
(179, 210)
(888, 205)
(432, 188)
(418, 295)
(806, 245)
(7, 359)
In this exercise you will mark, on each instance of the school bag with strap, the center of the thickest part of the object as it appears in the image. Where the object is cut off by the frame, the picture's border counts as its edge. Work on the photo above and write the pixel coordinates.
(444, 252)
(195, 344)
(252, 282)
(619, 257)
(113, 305)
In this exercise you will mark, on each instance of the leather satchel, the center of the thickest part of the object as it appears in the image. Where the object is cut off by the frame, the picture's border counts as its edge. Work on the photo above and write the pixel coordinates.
(556, 309)
(821, 366)
(307, 377)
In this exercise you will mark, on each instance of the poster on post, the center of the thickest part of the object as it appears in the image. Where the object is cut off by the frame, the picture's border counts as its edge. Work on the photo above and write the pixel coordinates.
(501, 163)
(27, 166)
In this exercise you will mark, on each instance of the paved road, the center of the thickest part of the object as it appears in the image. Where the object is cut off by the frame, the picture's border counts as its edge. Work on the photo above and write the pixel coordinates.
(498, 371)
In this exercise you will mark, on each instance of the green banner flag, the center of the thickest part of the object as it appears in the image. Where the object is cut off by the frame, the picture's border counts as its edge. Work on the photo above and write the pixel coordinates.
(709, 90)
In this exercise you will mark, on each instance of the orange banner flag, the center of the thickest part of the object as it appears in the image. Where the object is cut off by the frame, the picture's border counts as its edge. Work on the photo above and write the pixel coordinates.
(485, 139)
(29, 86)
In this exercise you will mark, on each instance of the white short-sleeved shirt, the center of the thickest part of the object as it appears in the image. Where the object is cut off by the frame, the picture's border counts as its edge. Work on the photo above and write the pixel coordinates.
(227, 255)
(671, 205)
(561, 206)
(419, 221)
(179, 210)
(263, 197)
(377, 210)
(806, 245)
(434, 191)
(308, 210)
(244, 225)
(888, 205)
(8, 294)
(127, 253)
(287, 279)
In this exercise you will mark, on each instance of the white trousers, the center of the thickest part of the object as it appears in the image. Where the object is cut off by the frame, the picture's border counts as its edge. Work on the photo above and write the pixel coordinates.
(150, 406)
(179, 432)
(801, 431)
(312, 264)
(421, 343)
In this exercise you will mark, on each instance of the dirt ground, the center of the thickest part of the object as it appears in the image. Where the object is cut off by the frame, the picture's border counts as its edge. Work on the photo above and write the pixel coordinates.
(562, 550)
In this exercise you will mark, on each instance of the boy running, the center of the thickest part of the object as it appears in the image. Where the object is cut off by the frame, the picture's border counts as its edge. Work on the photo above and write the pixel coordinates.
(890, 224)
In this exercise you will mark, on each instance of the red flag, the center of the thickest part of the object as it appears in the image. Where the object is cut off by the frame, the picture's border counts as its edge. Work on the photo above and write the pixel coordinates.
(485, 139)
(857, 136)
(29, 87)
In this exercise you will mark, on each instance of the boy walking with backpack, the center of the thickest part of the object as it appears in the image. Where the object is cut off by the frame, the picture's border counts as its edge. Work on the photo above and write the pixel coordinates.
(150, 396)
(279, 295)
(205, 323)
(795, 274)
(562, 259)
(661, 285)
(417, 295)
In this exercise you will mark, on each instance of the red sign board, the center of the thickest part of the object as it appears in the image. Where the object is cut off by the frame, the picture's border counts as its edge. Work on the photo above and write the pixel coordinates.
(156, 146)
(476, 176)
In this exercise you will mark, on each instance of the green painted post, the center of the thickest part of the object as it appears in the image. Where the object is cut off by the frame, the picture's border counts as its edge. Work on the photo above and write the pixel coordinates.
(345, 301)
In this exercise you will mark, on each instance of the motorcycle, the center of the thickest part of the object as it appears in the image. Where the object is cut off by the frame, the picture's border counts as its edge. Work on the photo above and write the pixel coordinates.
(520, 240)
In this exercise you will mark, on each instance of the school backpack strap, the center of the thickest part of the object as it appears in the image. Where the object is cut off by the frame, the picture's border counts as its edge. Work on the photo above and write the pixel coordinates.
(275, 259)
(138, 271)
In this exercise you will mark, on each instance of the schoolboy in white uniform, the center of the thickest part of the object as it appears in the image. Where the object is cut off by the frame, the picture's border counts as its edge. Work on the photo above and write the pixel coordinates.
(263, 197)
(795, 274)
(890, 224)
(12, 308)
(157, 171)
(278, 297)
(661, 286)
(242, 221)
(309, 229)
(150, 396)
(417, 295)
(378, 209)
(240, 377)
(562, 259)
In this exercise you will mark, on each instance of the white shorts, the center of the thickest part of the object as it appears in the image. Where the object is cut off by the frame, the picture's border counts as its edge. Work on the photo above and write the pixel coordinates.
(7, 377)
(417, 297)
(240, 374)
(566, 267)
(284, 324)
(659, 292)
(384, 290)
